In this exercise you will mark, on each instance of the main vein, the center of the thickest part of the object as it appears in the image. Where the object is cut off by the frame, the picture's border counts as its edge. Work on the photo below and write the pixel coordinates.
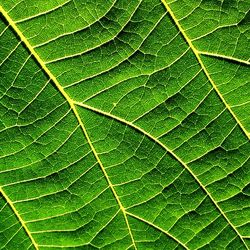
(169, 151)
(5, 196)
(73, 104)
(73, 108)
(197, 54)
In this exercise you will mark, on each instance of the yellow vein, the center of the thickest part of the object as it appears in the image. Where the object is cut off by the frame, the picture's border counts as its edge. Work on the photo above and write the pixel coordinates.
(72, 105)
(168, 150)
(42, 13)
(87, 50)
(9, 55)
(11, 238)
(72, 32)
(158, 228)
(5, 196)
(223, 57)
(196, 52)
(4, 30)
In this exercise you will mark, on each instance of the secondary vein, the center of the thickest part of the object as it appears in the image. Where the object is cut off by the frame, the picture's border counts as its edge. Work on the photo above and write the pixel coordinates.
(230, 58)
(158, 228)
(169, 151)
(5, 196)
(196, 53)
(72, 104)
(73, 108)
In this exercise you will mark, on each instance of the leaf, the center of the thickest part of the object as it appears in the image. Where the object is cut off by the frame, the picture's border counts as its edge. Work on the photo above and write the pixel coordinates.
(125, 124)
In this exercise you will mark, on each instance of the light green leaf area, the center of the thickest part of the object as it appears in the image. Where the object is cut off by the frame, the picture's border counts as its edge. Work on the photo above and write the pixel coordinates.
(124, 124)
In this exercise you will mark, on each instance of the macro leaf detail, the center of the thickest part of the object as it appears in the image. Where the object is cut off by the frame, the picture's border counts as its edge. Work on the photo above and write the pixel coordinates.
(125, 124)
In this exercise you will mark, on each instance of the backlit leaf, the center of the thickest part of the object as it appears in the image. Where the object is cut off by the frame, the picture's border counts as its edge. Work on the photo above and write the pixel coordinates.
(124, 124)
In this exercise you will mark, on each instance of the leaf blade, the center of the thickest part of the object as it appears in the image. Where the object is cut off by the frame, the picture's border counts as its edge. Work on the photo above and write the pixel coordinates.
(187, 238)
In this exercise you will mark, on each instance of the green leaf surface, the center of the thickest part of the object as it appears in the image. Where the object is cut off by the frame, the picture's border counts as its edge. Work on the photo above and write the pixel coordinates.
(124, 124)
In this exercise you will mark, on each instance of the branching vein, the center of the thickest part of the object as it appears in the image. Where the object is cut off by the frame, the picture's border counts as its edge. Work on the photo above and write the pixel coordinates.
(197, 54)
(73, 107)
(169, 151)
(19, 218)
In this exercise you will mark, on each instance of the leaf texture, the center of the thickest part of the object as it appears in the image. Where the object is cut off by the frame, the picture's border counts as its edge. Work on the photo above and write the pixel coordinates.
(125, 124)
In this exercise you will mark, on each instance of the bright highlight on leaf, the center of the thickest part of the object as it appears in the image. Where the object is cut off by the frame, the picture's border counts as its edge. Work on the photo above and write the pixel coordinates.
(124, 124)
